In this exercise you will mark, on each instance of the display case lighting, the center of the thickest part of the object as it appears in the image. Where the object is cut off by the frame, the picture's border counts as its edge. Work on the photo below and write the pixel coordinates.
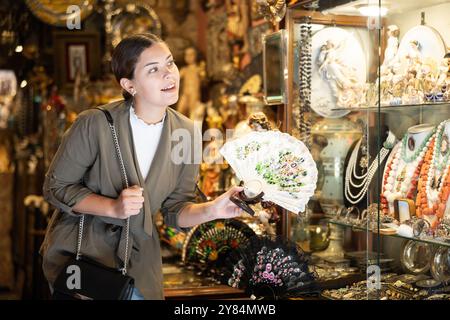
(372, 10)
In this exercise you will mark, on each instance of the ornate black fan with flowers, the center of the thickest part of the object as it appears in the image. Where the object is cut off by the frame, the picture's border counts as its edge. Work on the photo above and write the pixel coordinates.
(207, 245)
(273, 269)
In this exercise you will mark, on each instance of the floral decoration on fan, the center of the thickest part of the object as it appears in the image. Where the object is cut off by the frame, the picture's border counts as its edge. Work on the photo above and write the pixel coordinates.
(207, 244)
(270, 268)
(172, 237)
(273, 167)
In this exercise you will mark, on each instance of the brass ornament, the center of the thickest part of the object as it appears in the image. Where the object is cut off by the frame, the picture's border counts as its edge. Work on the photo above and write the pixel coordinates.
(134, 18)
(272, 10)
(252, 85)
(55, 12)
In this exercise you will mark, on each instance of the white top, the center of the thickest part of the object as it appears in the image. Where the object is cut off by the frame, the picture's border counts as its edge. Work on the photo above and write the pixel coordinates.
(146, 138)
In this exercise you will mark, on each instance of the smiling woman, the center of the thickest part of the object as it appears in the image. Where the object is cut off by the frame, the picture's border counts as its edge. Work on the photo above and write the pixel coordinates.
(85, 180)
(154, 80)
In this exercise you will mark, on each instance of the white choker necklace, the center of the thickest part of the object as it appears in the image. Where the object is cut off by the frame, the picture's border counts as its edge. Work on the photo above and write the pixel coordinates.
(362, 182)
(142, 121)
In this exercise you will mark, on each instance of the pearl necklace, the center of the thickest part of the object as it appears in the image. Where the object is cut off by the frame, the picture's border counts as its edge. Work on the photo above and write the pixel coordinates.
(399, 182)
(366, 178)
(433, 188)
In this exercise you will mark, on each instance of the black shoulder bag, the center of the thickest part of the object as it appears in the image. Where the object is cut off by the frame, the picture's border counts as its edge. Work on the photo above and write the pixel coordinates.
(85, 279)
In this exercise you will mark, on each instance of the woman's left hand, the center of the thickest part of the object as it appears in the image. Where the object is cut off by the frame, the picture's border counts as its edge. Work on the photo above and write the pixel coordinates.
(223, 208)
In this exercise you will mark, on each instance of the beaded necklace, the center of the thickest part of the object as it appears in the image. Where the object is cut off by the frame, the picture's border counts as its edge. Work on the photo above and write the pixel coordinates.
(433, 194)
(351, 177)
(440, 160)
(414, 156)
(402, 173)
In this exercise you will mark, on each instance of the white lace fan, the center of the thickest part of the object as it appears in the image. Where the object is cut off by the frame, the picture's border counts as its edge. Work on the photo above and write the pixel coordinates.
(275, 165)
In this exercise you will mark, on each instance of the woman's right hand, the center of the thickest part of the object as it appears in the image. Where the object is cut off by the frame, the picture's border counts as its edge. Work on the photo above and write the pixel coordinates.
(129, 202)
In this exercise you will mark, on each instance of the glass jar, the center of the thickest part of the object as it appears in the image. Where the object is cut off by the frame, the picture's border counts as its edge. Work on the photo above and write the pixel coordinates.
(440, 265)
(416, 257)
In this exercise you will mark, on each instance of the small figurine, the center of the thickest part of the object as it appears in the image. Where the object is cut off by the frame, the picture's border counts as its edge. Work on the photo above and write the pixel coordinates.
(444, 69)
(446, 86)
(414, 56)
(191, 75)
(428, 79)
(392, 46)
(258, 122)
(412, 93)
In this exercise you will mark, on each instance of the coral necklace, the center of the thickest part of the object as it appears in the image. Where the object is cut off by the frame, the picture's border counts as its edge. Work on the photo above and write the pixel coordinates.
(402, 173)
(434, 183)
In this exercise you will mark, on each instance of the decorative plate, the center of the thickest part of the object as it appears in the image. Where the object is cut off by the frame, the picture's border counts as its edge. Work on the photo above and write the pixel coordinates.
(350, 59)
(134, 18)
(430, 42)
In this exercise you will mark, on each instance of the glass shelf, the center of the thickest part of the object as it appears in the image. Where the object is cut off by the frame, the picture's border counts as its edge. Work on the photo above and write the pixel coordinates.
(409, 107)
(361, 228)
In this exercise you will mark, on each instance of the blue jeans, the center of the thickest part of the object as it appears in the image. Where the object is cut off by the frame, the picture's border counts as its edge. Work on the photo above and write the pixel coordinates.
(137, 295)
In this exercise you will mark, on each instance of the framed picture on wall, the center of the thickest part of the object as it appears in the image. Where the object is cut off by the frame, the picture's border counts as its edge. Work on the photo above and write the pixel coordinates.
(77, 60)
(75, 53)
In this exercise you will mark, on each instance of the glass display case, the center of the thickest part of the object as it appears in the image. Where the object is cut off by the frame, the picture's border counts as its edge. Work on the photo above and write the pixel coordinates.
(368, 90)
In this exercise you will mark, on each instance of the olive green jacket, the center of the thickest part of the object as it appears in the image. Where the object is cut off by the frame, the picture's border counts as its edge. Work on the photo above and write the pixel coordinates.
(86, 163)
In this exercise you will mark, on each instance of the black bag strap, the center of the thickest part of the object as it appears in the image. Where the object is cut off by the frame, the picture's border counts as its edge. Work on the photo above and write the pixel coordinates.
(116, 145)
(108, 115)
(125, 183)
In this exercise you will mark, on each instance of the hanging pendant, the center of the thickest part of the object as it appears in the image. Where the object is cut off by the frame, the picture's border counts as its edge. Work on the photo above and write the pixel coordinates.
(444, 145)
(364, 149)
(411, 143)
(400, 179)
(364, 162)
(436, 182)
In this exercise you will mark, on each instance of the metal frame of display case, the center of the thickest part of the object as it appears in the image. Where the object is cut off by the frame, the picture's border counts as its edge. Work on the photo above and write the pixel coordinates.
(416, 114)
(292, 15)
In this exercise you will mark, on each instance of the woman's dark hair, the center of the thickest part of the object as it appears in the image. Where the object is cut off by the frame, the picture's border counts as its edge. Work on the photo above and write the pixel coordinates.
(127, 53)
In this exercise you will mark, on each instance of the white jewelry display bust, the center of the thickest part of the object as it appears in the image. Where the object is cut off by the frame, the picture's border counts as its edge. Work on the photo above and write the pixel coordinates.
(357, 185)
(418, 134)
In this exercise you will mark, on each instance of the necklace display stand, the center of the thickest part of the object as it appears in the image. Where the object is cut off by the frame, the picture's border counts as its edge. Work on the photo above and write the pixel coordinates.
(403, 168)
(362, 164)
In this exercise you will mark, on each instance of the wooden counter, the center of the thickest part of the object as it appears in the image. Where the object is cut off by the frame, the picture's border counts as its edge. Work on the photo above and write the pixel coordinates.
(212, 292)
